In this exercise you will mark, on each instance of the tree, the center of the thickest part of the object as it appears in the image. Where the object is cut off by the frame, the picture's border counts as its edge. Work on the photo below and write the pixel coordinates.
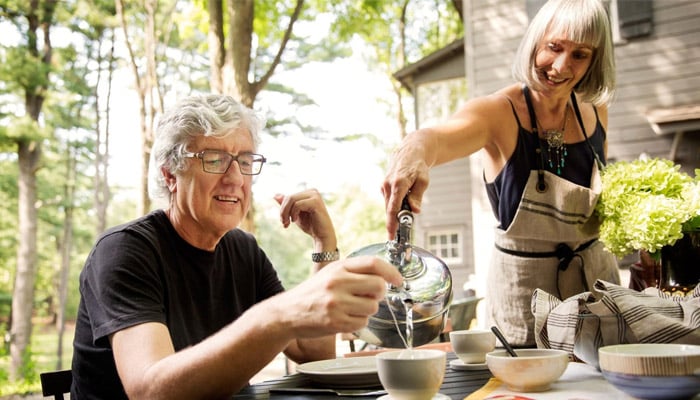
(29, 71)
(238, 56)
(146, 81)
(415, 28)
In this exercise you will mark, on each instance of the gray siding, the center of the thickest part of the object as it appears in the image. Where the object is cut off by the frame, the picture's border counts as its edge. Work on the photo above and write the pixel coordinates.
(658, 71)
(447, 206)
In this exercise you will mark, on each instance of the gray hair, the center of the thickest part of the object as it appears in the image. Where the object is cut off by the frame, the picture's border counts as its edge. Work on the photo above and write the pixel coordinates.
(581, 21)
(211, 115)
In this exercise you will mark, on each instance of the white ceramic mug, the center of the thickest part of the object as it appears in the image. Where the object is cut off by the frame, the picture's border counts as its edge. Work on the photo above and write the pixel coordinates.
(411, 374)
(472, 345)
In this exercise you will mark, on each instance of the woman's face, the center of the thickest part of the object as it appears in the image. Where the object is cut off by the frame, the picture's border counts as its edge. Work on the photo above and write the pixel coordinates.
(206, 205)
(561, 63)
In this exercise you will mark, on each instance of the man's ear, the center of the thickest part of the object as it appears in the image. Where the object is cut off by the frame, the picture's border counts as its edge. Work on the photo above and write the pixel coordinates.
(170, 179)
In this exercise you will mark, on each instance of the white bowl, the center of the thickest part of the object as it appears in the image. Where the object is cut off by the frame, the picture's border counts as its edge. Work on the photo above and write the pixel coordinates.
(472, 345)
(652, 370)
(534, 370)
(411, 374)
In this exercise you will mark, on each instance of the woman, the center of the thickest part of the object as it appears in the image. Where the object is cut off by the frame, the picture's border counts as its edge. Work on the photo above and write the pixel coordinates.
(543, 143)
(180, 304)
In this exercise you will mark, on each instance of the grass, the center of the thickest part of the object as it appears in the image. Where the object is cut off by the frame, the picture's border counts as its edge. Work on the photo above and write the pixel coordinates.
(44, 357)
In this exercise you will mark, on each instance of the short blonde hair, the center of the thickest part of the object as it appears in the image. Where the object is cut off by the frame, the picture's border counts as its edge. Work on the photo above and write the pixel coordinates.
(581, 21)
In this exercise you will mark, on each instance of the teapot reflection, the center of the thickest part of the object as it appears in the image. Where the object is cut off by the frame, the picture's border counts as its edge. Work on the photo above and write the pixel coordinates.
(423, 300)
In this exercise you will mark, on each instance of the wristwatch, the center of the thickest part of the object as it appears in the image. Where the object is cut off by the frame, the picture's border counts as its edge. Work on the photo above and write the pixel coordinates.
(325, 256)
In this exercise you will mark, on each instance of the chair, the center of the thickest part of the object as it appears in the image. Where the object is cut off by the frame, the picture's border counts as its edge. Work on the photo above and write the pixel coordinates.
(459, 316)
(462, 312)
(56, 383)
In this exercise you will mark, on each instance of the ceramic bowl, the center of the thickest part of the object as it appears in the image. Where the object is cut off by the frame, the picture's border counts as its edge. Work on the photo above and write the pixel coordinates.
(652, 370)
(533, 370)
(472, 345)
(414, 374)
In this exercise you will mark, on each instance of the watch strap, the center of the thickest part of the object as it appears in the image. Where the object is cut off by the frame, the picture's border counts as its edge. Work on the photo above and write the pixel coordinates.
(325, 256)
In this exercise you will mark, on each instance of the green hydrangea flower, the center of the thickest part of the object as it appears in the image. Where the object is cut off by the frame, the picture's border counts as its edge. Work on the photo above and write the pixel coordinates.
(646, 204)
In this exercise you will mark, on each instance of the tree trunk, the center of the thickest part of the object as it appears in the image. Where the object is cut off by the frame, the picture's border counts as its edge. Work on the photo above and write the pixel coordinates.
(102, 194)
(29, 153)
(146, 85)
(39, 18)
(217, 54)
(65, 250)
(239, 57)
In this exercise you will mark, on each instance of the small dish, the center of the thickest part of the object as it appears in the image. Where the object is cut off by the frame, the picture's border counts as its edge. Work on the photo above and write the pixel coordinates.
(462, 366)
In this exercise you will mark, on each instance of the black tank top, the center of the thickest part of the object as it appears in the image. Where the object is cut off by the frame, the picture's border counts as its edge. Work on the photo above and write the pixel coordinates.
(506, 190)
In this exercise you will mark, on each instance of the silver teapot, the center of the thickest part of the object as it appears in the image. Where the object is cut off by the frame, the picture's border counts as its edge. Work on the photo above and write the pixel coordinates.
(424, 297)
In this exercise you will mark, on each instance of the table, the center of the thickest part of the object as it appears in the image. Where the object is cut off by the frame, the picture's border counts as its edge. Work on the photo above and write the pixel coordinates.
(457, 385)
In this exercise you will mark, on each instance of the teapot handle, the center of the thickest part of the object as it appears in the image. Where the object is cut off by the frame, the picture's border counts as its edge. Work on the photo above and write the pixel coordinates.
(404, 205)
(403, 232)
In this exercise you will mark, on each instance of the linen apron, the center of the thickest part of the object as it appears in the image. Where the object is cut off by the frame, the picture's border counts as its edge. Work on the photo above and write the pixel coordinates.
(551, 244)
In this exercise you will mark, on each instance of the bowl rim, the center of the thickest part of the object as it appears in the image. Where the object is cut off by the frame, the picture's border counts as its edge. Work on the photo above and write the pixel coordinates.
(523, 353)
(624, 360)
(430, 354)
(626, 350)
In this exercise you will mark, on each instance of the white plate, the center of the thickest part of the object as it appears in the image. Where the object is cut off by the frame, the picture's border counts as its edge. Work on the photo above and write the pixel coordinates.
(438, 396)
(461, 365)
(342, 372)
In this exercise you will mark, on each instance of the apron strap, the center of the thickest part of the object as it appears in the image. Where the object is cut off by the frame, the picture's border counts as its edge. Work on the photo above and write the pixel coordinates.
(601, 166)
(563, 253)
(541, 184)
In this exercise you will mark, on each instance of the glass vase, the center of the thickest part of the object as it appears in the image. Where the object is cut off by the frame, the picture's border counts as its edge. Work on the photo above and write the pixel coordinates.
(680, 265)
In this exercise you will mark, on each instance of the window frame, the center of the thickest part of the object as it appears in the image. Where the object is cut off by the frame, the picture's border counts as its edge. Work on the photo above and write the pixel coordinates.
(451, 247)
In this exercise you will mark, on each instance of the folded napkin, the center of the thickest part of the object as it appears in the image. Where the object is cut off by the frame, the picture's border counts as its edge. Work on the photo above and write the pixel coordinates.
(614, 315)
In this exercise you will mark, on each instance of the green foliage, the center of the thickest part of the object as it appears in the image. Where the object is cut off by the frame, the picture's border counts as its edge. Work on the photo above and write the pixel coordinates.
(426, 26)
(646, 205)
(42, 357)
(288, 249)
(359, 219)
(22, 71)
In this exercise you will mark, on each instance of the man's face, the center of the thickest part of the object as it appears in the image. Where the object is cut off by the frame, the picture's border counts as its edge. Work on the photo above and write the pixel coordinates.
(207, 205)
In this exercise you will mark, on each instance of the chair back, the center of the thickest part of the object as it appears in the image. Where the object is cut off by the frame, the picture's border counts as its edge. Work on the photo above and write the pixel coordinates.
(56, 383)
(462, 312)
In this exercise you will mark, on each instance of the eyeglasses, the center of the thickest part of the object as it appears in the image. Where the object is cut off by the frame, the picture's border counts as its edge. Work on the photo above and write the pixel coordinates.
(218, 162)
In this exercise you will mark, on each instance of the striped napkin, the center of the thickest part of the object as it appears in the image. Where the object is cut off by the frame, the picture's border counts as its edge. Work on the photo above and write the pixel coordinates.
(614, 315)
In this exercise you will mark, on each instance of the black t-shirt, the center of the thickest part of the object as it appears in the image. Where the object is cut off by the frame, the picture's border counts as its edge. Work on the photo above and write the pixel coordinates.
(144, 271)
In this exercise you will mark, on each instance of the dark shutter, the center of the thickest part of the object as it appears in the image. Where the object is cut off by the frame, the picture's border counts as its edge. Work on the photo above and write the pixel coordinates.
(532, 6)
(634, 18)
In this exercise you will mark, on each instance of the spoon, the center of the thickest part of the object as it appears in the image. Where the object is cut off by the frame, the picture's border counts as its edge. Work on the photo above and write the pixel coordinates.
(503, 340)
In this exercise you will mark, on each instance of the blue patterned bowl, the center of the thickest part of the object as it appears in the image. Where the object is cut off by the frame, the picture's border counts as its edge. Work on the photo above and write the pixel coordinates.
(653, 370)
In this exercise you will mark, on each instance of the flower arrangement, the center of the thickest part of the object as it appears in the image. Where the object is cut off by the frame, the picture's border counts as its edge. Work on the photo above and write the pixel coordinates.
(647, 204)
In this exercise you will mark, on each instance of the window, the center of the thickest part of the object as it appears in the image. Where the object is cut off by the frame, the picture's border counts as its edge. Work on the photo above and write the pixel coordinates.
(438, 100)
(446, 245)
(630, 19)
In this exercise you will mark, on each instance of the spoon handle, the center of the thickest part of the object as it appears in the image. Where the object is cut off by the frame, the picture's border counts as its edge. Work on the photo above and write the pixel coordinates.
(503, 340)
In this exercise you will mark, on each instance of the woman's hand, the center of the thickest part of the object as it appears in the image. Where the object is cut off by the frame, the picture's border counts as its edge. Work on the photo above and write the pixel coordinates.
(408, 175)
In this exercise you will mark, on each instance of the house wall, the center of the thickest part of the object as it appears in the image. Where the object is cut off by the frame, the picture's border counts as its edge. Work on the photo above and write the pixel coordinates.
(493, 29)
(446, 206)
(658, 71)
